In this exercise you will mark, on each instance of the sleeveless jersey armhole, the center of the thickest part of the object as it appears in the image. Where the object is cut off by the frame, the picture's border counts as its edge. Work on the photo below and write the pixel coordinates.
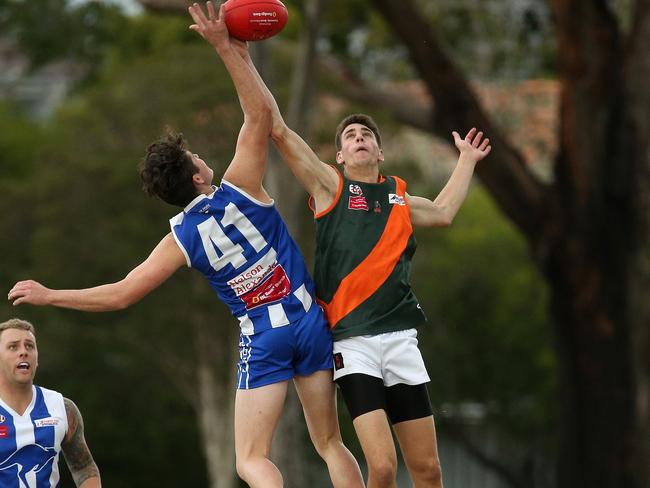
(339, 190)
(173, 222)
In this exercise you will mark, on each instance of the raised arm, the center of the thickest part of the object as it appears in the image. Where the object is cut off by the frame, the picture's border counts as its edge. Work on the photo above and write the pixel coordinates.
(247, 167)
(441, 211)
(319, 179)
(75, 450)
(163, 261)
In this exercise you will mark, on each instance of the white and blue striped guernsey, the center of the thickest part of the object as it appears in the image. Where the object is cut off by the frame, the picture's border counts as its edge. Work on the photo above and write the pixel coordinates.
(30, 443)
(242, 246)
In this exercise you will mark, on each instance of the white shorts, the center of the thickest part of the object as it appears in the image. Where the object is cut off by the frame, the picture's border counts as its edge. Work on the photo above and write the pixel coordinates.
(393, 356)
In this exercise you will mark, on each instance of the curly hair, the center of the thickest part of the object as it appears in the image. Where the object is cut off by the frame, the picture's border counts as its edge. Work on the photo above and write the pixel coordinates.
(362, 119)
(166, 171)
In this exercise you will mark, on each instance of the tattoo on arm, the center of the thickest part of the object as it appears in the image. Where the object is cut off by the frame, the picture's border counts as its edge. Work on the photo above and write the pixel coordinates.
(75, 450)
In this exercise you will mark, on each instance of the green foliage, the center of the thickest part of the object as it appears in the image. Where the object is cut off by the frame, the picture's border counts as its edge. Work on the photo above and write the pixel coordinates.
(17, 155)
(149, 34)
(52, 29)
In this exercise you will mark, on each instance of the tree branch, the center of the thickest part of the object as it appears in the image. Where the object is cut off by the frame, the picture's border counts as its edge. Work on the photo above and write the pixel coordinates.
(406, 110)
(516, 190)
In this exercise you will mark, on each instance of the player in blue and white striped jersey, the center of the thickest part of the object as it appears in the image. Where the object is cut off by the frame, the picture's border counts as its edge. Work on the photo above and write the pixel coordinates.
(235, 237)
(36, 424)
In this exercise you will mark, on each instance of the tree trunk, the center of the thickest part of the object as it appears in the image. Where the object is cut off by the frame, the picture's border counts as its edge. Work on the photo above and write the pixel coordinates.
(638, 76)
(591, 309)
(592, 266)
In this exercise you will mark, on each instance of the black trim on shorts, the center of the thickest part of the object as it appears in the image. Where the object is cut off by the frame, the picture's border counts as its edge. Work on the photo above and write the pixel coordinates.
(363, 393)
(407, 402)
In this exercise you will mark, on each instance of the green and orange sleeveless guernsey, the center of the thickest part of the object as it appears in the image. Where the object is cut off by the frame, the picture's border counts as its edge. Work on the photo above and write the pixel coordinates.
(364, 246)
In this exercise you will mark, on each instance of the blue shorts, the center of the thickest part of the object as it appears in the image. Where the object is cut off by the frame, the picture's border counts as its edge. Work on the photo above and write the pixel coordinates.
(274, 355)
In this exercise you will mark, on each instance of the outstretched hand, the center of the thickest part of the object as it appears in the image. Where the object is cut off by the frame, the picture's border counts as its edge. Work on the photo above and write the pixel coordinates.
(472, 145)
(28, 291)
(212, 27)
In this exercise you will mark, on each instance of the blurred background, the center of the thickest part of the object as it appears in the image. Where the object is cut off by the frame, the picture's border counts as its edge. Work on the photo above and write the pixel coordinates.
(537, 296)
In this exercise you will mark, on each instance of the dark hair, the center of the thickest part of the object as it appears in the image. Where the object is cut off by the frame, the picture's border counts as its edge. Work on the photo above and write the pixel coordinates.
(166, 171)
(362, 119)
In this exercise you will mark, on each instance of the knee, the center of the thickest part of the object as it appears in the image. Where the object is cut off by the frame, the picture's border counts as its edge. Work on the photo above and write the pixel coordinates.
(242, 468)
(325, 444)
(428, 471)
(258, 470)
(245, 467)
(383, 471)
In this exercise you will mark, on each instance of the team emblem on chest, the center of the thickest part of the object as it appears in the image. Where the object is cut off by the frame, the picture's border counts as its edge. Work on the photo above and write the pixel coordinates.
(357, 201)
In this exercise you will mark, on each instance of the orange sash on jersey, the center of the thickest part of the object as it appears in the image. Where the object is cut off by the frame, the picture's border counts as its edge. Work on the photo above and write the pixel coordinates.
(374, 270)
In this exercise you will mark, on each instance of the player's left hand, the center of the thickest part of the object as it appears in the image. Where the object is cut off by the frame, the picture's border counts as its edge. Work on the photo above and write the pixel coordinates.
(473, 145)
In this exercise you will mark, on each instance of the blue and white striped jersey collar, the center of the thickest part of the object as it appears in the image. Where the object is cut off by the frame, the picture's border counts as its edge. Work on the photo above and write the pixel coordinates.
(199, 198)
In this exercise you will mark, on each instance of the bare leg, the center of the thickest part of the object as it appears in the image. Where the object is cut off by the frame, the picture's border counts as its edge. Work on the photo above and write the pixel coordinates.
(317, 394)
(257, 412)
(417, 438)
(373, 431)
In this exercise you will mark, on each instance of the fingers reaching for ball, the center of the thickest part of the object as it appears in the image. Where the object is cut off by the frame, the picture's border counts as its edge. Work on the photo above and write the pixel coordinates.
(211, 26)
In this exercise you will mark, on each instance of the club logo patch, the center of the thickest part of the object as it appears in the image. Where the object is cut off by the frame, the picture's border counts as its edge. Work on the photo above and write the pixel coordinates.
(338, 361)
(47, 422)
(356, 189)
(274, 288)
(358, 203)
(394, 199)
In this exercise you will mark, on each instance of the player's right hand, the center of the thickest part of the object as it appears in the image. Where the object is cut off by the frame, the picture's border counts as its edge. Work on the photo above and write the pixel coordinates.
(212, 27)
(28, 291)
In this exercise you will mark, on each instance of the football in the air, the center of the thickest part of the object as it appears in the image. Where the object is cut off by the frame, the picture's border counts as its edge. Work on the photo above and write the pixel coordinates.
(254, 20)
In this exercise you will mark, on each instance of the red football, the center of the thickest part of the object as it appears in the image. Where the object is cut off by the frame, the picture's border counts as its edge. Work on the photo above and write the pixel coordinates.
(254, 20)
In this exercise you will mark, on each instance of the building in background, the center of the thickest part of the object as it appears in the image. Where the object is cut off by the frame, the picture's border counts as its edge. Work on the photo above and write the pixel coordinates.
(37, 92)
